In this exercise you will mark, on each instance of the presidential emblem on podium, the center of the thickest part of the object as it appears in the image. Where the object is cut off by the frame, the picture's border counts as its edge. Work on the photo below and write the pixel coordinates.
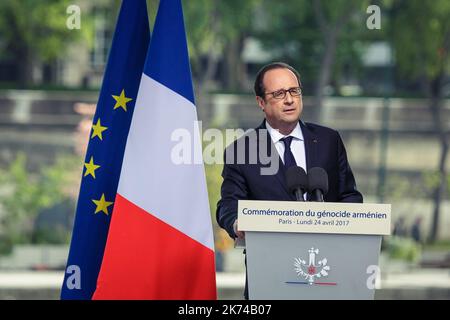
(312, 270)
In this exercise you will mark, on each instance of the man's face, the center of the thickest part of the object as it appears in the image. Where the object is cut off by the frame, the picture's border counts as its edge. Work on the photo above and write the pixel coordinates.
(280, 113)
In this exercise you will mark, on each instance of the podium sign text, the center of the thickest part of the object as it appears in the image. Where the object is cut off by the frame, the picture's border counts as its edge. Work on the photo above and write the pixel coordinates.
(314, 217)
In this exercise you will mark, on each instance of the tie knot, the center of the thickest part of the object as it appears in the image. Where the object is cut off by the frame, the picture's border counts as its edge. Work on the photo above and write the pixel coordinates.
(287, 142)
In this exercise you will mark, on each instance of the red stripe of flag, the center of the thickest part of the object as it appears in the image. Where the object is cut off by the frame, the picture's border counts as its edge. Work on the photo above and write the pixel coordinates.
(149, 259)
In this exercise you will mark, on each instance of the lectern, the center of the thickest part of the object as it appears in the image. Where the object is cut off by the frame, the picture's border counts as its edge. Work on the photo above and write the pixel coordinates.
(312, 250)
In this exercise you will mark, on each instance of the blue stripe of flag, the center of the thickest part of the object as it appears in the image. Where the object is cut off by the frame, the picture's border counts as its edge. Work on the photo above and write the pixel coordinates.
(170, 51)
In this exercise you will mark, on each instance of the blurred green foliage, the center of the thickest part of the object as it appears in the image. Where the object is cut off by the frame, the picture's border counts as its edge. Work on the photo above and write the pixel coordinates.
(402, 249)
(33, 30)
(214, 182)
(213, 173)
(55, 235)
(23, 195)
(211, 24)
(432, 179)
(216, 30)
(421, 36)
(297, 31)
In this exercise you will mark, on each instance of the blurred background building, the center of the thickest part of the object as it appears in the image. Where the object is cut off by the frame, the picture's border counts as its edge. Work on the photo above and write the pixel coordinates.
(386, 90)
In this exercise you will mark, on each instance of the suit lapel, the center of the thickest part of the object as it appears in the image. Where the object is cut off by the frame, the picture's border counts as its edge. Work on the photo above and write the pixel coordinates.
(311, 147)
(280, 175)
(311, 143)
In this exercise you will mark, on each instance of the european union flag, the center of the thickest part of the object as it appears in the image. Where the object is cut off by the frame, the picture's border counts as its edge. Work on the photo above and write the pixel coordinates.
(104, 154)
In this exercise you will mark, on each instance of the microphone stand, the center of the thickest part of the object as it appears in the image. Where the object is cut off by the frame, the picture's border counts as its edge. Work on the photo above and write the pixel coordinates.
(299, 194)
(318, 195)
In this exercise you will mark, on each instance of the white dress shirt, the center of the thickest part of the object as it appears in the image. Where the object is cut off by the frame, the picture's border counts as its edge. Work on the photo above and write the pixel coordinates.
(297, 144)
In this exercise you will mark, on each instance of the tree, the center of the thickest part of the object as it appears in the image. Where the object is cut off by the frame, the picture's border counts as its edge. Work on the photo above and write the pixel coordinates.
(421, 38)
(332, 18)
(216, 30)
(33, 31)
(313, 34)
(23, 195)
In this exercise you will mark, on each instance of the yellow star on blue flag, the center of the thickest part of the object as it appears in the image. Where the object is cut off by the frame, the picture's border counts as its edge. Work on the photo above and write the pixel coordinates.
(102, 204)
(97, 130)
(121, 101)
(90, 168)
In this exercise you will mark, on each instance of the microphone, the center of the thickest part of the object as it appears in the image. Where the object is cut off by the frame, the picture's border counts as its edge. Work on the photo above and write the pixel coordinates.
(318, 183)
(297, 181)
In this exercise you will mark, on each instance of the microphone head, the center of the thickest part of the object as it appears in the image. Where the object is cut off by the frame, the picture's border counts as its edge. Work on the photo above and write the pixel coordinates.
(296, 178)
(318, 180)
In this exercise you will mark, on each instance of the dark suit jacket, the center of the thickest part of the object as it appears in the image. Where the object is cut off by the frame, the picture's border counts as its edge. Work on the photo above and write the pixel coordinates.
(243, 180)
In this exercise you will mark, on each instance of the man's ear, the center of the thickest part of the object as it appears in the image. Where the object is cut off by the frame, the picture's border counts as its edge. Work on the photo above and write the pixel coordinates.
(261, 102)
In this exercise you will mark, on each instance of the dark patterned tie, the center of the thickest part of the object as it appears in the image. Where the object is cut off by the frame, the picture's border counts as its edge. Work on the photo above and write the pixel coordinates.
(289, 159)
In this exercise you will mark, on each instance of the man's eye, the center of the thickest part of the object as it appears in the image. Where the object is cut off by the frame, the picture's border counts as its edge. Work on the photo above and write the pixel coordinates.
(278, 93)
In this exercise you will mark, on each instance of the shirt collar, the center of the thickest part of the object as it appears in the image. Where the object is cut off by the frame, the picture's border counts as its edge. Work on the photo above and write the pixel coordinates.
(275, 135)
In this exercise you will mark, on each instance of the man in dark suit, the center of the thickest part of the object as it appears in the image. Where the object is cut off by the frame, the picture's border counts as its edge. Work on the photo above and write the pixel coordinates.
(255, 164)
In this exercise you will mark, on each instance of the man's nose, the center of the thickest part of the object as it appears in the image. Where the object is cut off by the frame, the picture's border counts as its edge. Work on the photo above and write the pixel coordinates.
(288, 99)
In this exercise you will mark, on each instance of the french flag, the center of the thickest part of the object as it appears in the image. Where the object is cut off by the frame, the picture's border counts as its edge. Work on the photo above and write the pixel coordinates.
(160, 240)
